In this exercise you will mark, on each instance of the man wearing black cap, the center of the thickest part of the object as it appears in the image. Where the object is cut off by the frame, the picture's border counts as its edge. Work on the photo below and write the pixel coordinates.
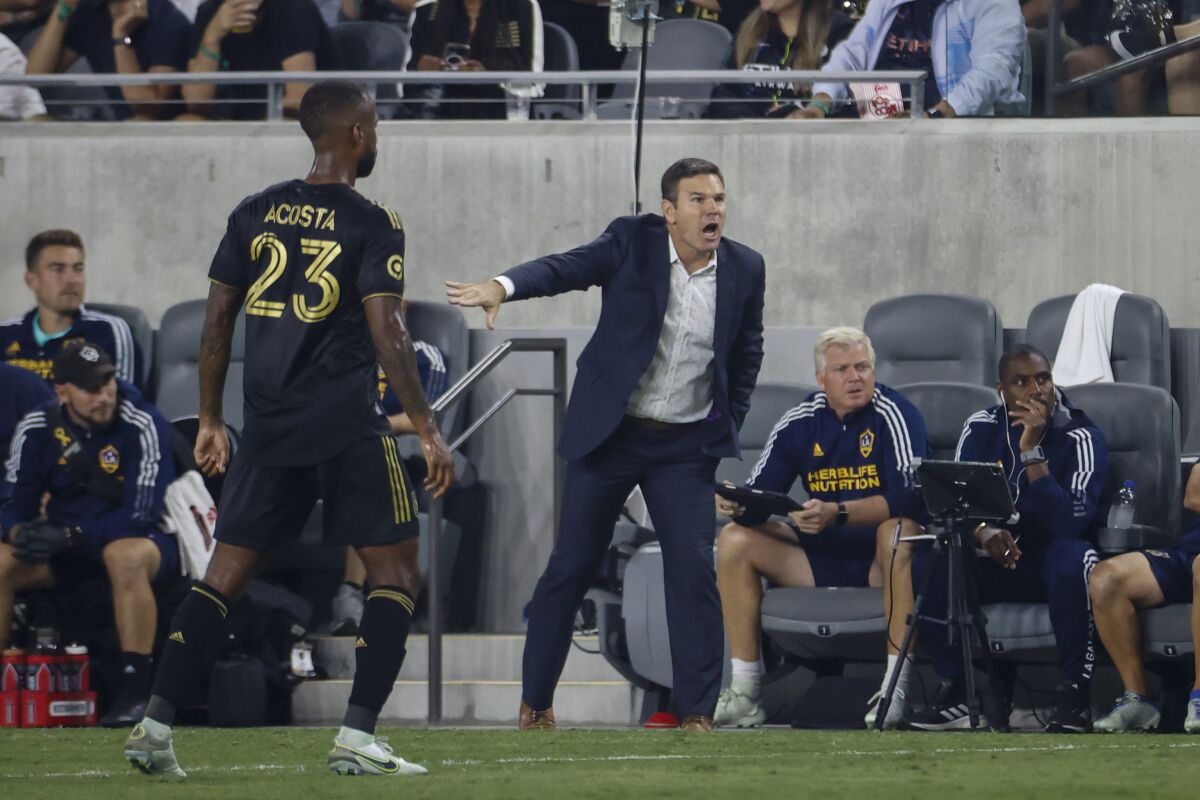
(102, 454)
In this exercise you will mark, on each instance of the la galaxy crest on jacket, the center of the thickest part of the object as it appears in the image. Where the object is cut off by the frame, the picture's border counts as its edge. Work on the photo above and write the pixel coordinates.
(307, 256)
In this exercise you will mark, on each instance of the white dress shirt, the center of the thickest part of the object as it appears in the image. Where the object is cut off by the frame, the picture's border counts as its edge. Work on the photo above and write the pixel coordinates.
(677, 386)
(16, 102)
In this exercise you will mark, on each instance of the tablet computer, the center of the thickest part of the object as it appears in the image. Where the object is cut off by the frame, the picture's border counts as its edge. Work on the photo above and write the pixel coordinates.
(759, 500)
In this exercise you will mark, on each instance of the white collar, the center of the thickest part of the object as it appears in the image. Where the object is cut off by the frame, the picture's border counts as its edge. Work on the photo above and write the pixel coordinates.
(675, 259)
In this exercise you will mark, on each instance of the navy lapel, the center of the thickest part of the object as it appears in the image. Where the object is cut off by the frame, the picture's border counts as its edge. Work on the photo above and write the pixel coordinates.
(660, 270)
(726, 299)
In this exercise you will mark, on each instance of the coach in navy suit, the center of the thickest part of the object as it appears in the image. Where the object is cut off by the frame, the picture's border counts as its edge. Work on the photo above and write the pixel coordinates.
(660, 392)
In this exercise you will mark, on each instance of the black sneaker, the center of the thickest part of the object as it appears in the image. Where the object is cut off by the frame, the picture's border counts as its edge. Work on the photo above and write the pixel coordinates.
(1072, 710)
(947, 712)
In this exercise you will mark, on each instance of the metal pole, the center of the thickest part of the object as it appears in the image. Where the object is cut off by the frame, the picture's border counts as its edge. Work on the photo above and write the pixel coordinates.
(433, 591)
(274, 101)
(589, 100)
(917, 93)
(1053, 23)
(640, 113)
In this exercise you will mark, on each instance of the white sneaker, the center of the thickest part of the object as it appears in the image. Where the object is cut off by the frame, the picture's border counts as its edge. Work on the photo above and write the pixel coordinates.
(1192, 723)
(896, 711)
(739, 706)
(375, 758)
(1131, 713)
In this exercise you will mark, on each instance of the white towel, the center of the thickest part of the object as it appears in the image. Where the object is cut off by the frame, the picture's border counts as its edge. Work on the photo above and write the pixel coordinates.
(1084, 354)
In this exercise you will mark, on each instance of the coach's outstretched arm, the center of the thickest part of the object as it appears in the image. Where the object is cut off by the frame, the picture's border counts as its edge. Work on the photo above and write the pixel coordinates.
(393, 346)
(216, 343)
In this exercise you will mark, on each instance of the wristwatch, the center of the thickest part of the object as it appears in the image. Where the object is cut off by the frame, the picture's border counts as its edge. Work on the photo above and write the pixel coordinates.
(1034, 456)
(842, 516)
(122, 40)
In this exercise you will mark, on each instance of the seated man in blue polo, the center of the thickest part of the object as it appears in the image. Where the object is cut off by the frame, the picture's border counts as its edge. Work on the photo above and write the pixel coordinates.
(349, 602)
(1123, 585)
(103, 455)
(55, 273)
(852, 444)
(1056, 460)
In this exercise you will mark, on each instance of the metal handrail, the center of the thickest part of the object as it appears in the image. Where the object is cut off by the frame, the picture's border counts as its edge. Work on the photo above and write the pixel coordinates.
(1055, 89)
(589, 81)
(558, 347)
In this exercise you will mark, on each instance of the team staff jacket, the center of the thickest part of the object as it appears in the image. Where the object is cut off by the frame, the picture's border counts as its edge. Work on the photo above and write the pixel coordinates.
(136, 448)
(1063, 503)
(868, 452)
(19, 347)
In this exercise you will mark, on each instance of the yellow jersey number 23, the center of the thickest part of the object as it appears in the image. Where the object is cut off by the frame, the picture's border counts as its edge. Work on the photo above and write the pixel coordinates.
(323, 251)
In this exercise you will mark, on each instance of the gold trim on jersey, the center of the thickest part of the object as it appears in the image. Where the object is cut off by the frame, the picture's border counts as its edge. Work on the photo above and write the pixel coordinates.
(393, 217)
(383, 294)
(222, 283)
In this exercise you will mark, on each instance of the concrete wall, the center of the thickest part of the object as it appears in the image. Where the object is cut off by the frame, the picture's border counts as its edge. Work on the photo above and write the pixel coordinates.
(845, 213)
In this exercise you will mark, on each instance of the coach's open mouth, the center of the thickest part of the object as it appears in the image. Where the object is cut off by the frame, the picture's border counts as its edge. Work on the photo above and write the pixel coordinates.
(712, 230)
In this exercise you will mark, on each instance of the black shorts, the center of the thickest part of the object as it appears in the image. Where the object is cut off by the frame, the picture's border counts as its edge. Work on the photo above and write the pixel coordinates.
(1172, 569)
(78, 566)
(368, 499)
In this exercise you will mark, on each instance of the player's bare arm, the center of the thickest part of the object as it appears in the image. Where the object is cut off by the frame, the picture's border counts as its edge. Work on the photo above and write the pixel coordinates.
(216, 343)
(393, 346)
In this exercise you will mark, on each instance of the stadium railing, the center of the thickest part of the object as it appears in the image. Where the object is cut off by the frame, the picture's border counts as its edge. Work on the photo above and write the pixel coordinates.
(589, 81)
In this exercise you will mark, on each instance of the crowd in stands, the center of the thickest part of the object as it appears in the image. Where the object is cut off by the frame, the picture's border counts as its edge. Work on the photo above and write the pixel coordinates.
(974, 51)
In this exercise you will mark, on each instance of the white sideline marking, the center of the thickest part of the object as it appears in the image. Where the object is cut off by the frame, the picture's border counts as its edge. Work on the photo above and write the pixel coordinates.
(96, 773)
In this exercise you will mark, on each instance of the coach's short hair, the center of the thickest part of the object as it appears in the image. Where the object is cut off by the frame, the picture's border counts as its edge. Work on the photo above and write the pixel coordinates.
(841, 337)
(1017, 351)
(327, 102)
(59, 237)
(686, 168)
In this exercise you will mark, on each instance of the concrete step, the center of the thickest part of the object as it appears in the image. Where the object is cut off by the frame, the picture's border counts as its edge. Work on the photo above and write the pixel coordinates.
(466, 657)
(576, 703)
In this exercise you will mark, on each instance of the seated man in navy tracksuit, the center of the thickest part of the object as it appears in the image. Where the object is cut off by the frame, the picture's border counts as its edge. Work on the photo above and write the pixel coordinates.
(852, 445)
(55, 273)
(1056, 460)
(103, 455)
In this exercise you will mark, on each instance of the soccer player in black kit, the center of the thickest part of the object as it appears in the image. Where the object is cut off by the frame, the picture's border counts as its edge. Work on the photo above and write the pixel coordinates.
(320, 272)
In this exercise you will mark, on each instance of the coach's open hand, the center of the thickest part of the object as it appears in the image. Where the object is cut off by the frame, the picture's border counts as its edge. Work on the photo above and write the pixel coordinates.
(487, 296)
(212, 448)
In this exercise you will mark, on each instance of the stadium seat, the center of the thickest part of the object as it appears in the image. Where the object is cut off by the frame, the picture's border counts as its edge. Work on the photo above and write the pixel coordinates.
(1141, 341)
(678, 44)
(445, 328)
(561, 101)
(143, 334)
(767, 406)
(945, 407)
(374, 47)
(935, 337)
(178, 369)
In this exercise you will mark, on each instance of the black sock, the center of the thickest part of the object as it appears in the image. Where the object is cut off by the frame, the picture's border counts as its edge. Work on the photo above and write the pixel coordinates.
(137, 670)
(198, 627)
(378, 654)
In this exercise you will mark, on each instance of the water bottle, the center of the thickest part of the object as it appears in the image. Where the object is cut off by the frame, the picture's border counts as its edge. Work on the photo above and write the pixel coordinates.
(1120, 512)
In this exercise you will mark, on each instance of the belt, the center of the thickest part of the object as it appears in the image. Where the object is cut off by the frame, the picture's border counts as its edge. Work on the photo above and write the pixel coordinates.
(654, 424)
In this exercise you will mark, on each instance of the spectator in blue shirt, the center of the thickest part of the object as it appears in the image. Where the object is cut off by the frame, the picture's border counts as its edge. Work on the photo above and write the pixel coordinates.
(103, 456)
(130, 37)
(852, 445)
(1056, 460)
(54, 272)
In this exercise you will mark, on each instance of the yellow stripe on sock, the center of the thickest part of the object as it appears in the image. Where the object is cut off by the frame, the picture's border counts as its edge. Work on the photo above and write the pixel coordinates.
(220, 606)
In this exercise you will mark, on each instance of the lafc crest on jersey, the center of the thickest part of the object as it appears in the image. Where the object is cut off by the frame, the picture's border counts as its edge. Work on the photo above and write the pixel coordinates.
(110, 459)
(866, 443)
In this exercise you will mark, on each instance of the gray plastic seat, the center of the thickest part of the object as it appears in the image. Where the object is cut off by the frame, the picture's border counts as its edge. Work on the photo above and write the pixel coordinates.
(1167, 632)
(935, 337)
(1141, 340)
(366, 46)
(768, 404)
(178, 368)
(945, 407)
(143, 334)
(678, 44)
(845, 623)
(445, 328)
(561, 101)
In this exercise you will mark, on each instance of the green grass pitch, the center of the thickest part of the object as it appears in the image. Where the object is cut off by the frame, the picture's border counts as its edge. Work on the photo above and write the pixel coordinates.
(289, 764)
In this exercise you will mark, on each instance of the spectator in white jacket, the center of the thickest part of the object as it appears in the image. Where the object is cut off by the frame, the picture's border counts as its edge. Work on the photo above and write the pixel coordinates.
(17, 102)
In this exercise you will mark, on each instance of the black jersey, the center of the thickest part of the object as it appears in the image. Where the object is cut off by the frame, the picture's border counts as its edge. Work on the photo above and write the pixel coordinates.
(307, 257)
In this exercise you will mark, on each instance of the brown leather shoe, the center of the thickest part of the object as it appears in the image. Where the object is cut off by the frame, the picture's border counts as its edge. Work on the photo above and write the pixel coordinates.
(697, 723)
(532, 720)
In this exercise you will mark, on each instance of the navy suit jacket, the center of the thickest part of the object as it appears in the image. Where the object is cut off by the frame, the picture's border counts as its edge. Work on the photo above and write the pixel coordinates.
(630, 261)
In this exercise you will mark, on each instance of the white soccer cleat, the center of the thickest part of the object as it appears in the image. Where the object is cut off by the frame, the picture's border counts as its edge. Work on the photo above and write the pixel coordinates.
(1131, 713)
(896, 711)
(375, 758)
(1192, 723)
(149, 748)
(739, 706)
